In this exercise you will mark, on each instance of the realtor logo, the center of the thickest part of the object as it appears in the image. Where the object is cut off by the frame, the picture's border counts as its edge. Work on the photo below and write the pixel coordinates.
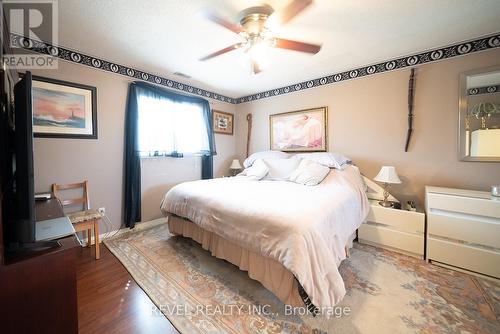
(30, 23)
(36, 20)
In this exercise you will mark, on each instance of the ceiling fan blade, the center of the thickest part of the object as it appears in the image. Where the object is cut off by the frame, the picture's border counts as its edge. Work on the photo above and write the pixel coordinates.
(223, 22)
(255, 67)
(218, 53)
(296, 46)
(292, 10)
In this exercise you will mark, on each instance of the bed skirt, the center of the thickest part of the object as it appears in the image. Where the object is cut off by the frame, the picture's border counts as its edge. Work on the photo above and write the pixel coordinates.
(269, 272)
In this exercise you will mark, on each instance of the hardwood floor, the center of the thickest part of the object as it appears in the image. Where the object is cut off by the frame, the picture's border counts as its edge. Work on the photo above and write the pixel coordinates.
(109, 300)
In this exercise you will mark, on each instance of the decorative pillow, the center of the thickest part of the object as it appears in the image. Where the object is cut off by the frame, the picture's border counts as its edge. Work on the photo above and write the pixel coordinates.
(328, 159)
(280, 169)
(264, 155)
(309, 173)
(257, 171)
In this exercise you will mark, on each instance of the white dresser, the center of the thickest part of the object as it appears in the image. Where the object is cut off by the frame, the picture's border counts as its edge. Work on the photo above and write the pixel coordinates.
(398, 230)
(463, 229)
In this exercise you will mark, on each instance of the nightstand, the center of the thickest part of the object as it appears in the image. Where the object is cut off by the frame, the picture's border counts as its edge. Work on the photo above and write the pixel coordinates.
(397, 230)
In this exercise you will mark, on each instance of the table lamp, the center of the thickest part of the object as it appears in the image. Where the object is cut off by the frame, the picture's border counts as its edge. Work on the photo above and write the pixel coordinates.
(235, 167)
(388, 176)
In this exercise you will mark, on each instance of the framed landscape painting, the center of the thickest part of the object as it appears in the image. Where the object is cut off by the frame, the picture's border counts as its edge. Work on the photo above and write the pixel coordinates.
(223, 122)
(299, 131)
(63, 109)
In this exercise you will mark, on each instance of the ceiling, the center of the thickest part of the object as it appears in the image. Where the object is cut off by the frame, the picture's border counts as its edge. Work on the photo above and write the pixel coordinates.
(167, 36)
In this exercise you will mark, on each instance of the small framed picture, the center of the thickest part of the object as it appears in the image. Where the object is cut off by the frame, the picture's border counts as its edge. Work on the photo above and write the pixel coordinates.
(64, 109)
(223, 122)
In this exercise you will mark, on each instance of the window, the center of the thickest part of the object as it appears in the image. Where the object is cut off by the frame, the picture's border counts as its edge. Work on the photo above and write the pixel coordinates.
(170, 128)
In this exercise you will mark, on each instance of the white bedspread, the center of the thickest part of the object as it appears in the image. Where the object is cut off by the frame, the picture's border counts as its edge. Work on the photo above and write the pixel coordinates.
(305, 228)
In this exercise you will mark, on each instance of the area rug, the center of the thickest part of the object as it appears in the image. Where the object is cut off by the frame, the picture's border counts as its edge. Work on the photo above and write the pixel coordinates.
(386, 292)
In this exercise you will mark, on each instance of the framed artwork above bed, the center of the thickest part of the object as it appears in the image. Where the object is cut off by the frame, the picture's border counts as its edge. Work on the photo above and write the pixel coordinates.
(299, 131)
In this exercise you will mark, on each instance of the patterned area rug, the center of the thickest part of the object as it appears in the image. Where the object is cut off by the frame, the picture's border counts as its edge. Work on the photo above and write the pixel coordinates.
(386, 292)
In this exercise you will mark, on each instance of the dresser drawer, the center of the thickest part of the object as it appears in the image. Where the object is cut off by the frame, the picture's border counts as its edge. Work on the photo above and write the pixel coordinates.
(464, 256)
(472, 229)
(401, 219)
(468, 205)
(396, 240)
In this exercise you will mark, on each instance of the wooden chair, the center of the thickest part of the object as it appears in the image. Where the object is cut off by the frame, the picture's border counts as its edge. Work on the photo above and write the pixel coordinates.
(83, 220)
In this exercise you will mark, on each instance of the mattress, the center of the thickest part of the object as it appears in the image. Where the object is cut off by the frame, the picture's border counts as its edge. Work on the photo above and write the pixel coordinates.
(304, 228)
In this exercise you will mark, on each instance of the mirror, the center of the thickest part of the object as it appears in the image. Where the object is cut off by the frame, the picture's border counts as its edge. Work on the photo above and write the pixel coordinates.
(479, 118)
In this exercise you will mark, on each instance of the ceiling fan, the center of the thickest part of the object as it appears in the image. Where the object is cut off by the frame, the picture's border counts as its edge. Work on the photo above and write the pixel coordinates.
(254, 27)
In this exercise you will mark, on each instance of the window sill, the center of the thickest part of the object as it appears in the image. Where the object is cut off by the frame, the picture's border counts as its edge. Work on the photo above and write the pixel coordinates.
(186, 155)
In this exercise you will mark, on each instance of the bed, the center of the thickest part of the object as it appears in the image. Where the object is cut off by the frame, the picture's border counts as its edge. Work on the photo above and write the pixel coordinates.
(289, 237)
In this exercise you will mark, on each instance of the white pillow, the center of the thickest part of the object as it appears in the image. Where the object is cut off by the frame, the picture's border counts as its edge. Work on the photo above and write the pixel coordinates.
(257, 171)
(309, 173)
(264, 155)
(280, 169)
(328, 159)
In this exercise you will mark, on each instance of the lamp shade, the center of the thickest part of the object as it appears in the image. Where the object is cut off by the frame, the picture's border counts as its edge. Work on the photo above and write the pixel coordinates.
(235, 164)
(387, 174)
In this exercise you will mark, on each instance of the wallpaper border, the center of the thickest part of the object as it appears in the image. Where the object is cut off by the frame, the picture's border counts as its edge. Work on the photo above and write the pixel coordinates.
(81, 58)
(451, 51)
(484, 90)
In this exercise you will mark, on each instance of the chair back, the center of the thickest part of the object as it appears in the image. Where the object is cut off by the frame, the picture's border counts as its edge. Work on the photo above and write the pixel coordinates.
(84, 200)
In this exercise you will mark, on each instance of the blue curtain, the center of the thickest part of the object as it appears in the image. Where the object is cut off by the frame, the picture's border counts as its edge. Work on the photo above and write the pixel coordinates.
(207, 160)
(132, 168)
(132, 173)
(207, 167)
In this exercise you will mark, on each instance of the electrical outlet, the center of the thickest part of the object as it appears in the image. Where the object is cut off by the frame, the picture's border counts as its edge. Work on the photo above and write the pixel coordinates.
(102, 210)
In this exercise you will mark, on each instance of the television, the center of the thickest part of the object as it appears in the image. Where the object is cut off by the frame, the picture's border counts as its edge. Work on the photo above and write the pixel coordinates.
(19, 199)
(23, 169)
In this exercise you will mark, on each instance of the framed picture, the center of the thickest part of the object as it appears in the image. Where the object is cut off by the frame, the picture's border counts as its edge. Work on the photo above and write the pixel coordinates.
(64, 109)
(299, 131)
(223, 122)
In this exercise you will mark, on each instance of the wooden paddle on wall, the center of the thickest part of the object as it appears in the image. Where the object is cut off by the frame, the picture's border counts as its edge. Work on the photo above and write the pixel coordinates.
(411, 85)
(249, 132)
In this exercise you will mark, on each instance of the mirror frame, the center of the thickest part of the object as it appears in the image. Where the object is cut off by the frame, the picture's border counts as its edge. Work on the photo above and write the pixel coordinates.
(462, 112)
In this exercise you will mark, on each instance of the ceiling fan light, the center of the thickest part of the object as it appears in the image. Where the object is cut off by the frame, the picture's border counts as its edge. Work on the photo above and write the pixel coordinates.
(258, 54)
(255, 24)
